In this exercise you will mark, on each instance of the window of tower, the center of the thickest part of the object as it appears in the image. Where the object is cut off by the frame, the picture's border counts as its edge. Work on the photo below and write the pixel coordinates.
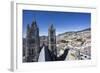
(52, 40)
(52, 47)
(51, 32)
(32, 41)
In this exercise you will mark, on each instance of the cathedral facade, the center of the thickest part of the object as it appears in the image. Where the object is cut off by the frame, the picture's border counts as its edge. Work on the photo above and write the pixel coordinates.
(33, 52)
(32, 43)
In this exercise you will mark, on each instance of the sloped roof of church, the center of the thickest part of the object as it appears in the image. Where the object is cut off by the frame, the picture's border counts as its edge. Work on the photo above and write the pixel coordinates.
(44, 55)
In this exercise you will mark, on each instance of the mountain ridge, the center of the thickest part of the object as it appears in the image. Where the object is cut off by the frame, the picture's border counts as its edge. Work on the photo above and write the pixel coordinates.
(87, 29)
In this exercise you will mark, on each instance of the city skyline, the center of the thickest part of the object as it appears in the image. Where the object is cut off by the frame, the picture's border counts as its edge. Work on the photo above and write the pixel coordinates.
(62, 21)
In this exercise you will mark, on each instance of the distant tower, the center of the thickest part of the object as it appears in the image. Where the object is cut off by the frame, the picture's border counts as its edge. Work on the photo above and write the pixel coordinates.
(32, 42)
(52, 41)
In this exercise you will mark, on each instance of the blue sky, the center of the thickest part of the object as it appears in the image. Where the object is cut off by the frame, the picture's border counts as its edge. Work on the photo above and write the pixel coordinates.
(62, 21)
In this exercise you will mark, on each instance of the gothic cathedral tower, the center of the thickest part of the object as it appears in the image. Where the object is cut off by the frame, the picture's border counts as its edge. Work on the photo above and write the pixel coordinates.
(52, 41)
(32, 43)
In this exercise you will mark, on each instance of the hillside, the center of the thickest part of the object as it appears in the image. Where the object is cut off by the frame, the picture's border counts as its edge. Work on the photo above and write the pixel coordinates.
(79, 43)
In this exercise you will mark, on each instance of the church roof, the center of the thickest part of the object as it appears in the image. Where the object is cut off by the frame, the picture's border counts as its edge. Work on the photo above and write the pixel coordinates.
(44, 55)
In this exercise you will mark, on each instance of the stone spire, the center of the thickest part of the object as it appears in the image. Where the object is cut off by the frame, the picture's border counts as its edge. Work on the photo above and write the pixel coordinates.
(33, 43)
